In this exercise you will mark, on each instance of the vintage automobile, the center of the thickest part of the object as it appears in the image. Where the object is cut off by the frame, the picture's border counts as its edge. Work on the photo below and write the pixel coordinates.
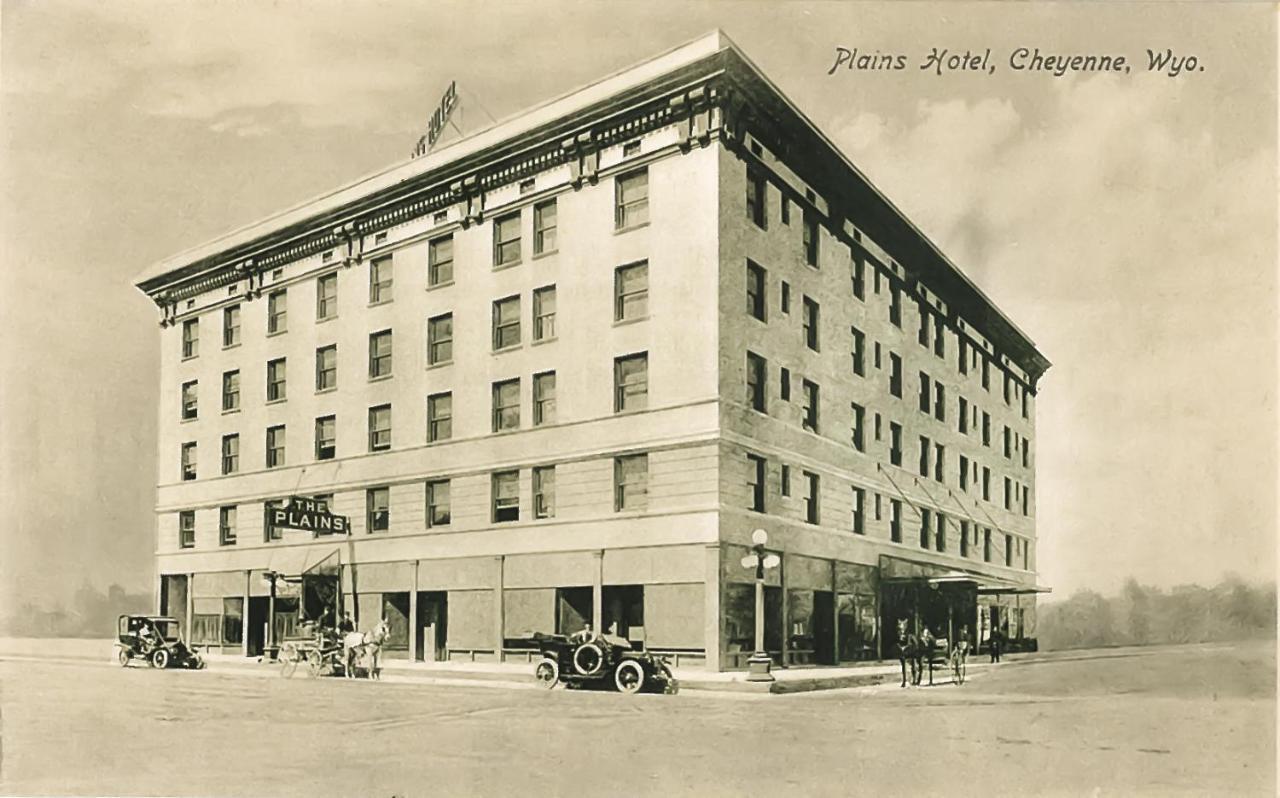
(155, 640)
(601, 660)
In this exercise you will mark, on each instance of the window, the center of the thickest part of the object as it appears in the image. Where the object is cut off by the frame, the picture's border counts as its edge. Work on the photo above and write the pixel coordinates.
(784, 380)
(440, 339)
(963, 416)
(544, 313)
(630, 148)
(811, 498)
(631, 200)
(631, 292)
(859, 512)
(380, 354)
(784, 298)
(1008, 442)
(810, 420)
(188, 461)
(986, 545)
(756, 292)
(277, 311)
(940, 538)
(506, 322)
(631, 482)
(380, 428)
(986, 483)
(275, 446)
(986, 374)
(438, 513)
(544, 492)
(859, 277)
(187, 529)
(964, 538)
(440, 261)
(1007, 383)
(924, 456)
(895, 443)
(506, 405)
(231, 390)
(544, 227)
(190, 400)
(895, 520)
(276, 380)
(964, 472)
(784, 481)
(190, 338)
(757, 369)
(939, 337)
(377, 509)
(923, 336)
(1024, 404)
(506, 496)
(230, 453)
(963, 361)
(925, 394)
(757, 466)
(786, 209)
(1026, 453)
(1008, 493)
(326, 437)
(895, 305)
(231, 326)
(631, 382)
(810, 321)
(757, 196)
(227, 526)
(939, 401)
(939, 462)
(506, 240)
(380, 280)
(327, 367)
(926, 518)
(544, 398)
(439, 417)
(878, 427)
(895, 375)
(1008, 551)
(986, 428)
(859, 353)
(859, 423)
(810, 238)
(1026, 492)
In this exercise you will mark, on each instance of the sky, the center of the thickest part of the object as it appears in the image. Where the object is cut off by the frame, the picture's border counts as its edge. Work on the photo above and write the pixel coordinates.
(1126, 222)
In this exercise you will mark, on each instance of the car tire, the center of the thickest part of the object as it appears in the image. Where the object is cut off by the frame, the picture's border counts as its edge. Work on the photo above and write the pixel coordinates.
(590, 667)
(629, 676)
(547, 673)
(122, 656)
(160, 658)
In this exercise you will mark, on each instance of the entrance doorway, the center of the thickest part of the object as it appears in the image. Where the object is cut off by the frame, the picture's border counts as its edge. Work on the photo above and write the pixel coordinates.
(432, 624)
(824, 627)
(258, 607)
(622, 613)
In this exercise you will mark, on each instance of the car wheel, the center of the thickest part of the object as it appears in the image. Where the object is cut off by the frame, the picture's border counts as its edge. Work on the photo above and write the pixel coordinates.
(588, 659)
(547, 673)
(160, 658)
(629, 677)
(122, 656)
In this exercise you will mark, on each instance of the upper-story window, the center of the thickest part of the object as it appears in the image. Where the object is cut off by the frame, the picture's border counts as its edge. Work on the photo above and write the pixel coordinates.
(231, 390)
(276, 380)
(986, 374)
(757, 469)
(380, 354)
(440, 339)
(895, 443)
(440, 260)
(810, 322)
(784, 298)
(327, 367)
(227, 526)
(544, 227)
(506, 496)
(1007, 382)
(895, 305)
(326, 437)
(939, 337)
(1025, 413)
(231, 325)
(810, 419)
(756, 292)
(811, 498)
(190, 338)
(544, 313)
(631, 199)
(631, 382)
(757, 198)
(438, 512)
(924, 393)
(506, 405)
(377, 507)
(895, 375)
(631, 483)
(275, 446)
(190, 400)
(859, 426)
(326, 296)
(506, 239)
(811, 238)
(188, 461)
(380, 279)
(859, 352)
(939, 401)
(506, 322)
(858, 268)
(277, 311)
(230, 453)
(963, 361)
(380, 428)
(895, 520)
(757, 369)
(187, 529)
(544, 492)
(859, 511)
(544, 398)
(631, 291)
(925, 326)
(439, 417)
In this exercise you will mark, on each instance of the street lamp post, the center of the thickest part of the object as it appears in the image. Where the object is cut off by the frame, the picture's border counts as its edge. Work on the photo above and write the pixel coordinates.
(759, 664)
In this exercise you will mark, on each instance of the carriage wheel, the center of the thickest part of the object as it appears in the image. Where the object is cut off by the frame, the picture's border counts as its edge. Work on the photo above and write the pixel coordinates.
(547, 673)
(629, 677)
(160, 658)
(315, 663)
(289, 660)
(122, 655)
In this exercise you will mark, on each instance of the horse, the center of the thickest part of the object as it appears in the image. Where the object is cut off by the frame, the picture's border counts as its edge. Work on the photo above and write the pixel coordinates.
(908, 652)
(357, 645)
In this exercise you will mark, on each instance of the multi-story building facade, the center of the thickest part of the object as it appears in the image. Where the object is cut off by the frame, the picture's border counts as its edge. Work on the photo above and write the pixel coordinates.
(558, 371)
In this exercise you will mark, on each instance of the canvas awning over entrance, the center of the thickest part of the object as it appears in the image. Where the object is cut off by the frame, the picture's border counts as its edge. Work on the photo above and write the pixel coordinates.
(294, 562)
(987, 585)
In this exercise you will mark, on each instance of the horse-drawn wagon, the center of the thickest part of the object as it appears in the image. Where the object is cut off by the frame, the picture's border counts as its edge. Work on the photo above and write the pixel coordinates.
(327, 652)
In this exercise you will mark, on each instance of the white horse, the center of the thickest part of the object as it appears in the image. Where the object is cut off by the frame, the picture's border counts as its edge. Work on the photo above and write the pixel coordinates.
(361, 645)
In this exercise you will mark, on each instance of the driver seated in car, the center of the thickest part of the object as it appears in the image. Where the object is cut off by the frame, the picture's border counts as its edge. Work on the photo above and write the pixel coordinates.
(146, 637)
(583, 635)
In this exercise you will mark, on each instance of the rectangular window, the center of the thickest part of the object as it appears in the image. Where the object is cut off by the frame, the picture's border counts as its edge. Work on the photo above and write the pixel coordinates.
(986, 428)
(440, 261)
(506, 496)
(544, 398)
(895, 305)
(544, 313)
(757, 469)
(187, 529)
(964, 538)
(925, 393)
(923, 336)
(506, 405)
(231, 326)
(631, 200)
(380, 279)
(188, 461)
(1007, 382)
(939, 462)
(326, 437)
(1026, 453)
(784, 380)
(784, 297)
(277, 311)
(1008, 442)
(859, 511)
(190, 400)
(784, 480)
(877, 351)
(963, 361)
(895, 375)
(380, 354)
(190, 338)
(895, 520)
(964, 472)
(859, 353)
(631, 382)
(786, 209)
(859, 277)
(276, 380)
(1008, 493)
(506, 240)
(377, 509)
(544, 227)
(939, 337)
(380, 428)
(810, 321)
(926, 522)
(757, 197)
(1008, 551)
(811, 238)
(859, 423)
(327, 367)
(631, 292)
(986, 374)
(438, 512)
(275, 446)
(757, 369)
(1026, 492)
(631, 482)
(986, 483)
(756, 291)
(810, 420)
(940, 538)
(939, 401)
(506, 322)
(963, 416)
(231, 390)
(544, 492)
(986, 545)
(230, 453)
(811, 514)
(895, 443)
(1024, 403)
(439, 417)
(440, 339)
(227, 526)
(924, 456)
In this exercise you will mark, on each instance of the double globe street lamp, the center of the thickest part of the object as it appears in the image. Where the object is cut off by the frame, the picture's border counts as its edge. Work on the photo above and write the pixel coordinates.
(759, 664)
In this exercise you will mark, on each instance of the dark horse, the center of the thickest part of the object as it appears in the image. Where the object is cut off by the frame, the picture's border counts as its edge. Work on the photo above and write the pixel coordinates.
(908, 653)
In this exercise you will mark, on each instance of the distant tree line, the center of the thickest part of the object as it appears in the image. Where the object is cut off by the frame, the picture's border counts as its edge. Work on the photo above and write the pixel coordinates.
(1141, 615)
(92, 614)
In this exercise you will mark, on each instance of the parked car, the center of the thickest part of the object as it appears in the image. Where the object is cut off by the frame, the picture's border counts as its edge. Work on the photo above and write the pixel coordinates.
(155, 640)
(601, 660)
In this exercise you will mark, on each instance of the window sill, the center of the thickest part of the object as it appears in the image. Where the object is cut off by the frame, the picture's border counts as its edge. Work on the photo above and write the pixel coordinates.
(445, 284)
(279, 401)
(189, 420)
(230, 411)
(547, 254)
(381, 378)
(230, 346)
(497, 267)
(505, 349)
(380, 303)
(380, 450)
(620, 230)
(625, 322)
(541, 341)
(273, 334)
(320, 391)
(436, 441)
(326, 318)
(506, 431)
(185, 358)
(440, 365)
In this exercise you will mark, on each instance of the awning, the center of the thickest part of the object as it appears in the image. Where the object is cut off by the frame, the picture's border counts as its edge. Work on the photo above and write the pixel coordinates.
(296, 561)
(987, 585)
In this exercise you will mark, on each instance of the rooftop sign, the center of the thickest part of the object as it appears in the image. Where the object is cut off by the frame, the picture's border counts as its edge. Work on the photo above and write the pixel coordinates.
(438, 120)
